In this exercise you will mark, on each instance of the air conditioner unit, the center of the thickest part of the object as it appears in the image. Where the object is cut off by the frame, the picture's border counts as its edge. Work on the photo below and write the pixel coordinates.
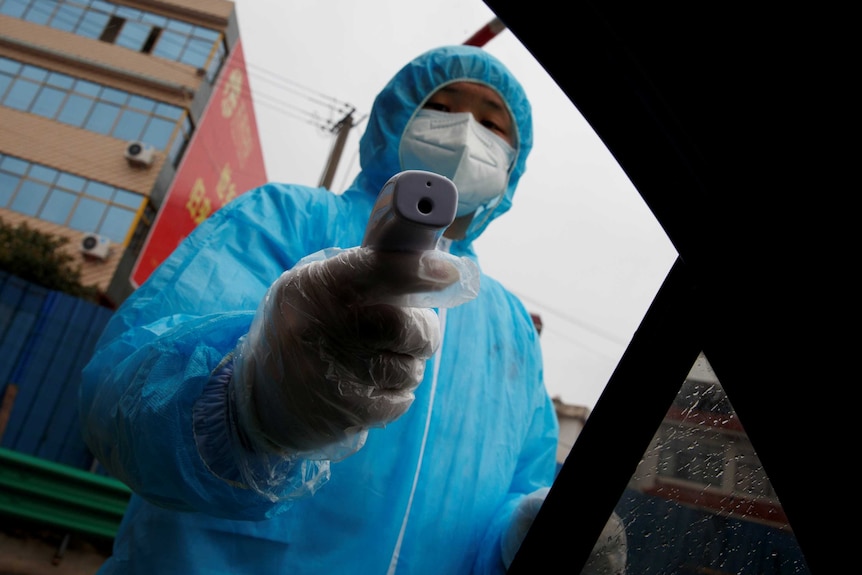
(140, 154)
(95, 247)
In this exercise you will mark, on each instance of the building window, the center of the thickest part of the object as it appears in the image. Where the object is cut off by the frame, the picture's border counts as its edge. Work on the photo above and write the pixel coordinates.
(127, 27)
(692, 458)
(708, 458)
(94, 107)
(68, 200)
(111, 30)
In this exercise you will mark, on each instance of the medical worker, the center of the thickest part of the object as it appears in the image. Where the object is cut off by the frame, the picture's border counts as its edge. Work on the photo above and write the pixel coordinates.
(274, 415)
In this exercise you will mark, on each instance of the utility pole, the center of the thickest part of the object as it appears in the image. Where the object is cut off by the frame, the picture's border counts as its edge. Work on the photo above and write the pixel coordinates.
(341, 129)
(485, 33)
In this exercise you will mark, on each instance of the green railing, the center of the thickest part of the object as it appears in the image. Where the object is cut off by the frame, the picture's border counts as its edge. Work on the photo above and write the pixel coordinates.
(52, 494)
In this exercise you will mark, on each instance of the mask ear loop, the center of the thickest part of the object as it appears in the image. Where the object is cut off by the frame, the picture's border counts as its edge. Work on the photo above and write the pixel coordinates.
(490, 209)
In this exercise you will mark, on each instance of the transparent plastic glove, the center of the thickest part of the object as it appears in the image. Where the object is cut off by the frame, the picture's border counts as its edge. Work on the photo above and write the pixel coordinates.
(327, 357)
(609, 554)
(522, 519)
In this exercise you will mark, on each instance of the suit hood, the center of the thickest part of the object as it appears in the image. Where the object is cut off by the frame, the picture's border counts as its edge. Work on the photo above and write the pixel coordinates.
(407, 92)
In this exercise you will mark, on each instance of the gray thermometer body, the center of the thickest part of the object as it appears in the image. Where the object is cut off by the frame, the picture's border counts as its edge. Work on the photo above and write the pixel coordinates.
(412, 211)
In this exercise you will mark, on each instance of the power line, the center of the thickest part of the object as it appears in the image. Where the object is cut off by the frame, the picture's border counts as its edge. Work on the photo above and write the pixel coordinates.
(282, 107)
(285, 85)
(336, 110)
(575, 321)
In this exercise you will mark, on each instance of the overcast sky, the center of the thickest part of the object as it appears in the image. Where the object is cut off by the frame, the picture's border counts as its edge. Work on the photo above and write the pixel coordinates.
(579, 246)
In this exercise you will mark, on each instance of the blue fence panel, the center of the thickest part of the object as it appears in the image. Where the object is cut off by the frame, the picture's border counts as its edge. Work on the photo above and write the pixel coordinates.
(63, 442)
(46, 338)
(52, 377)
(34, 402)
(22, 304)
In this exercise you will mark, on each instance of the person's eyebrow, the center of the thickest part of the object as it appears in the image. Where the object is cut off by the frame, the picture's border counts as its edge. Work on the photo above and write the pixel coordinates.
(447, 90)
(495, 104)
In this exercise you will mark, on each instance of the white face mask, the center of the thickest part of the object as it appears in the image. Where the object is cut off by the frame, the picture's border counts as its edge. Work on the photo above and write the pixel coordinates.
(458, 147)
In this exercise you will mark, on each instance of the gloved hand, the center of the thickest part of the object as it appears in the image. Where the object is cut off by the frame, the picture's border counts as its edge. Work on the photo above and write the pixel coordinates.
(522, 519)
(326, 357)
(609, 554)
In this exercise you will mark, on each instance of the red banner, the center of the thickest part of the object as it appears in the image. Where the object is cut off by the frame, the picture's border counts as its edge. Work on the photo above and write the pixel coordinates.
(223, 160)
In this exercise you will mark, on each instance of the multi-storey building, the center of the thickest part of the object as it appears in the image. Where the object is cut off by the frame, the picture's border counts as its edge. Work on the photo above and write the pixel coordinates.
(123, 124)
(106, 128)
(700, 500)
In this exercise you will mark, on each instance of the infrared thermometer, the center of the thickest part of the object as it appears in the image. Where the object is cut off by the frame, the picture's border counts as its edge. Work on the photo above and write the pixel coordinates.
(412, 211)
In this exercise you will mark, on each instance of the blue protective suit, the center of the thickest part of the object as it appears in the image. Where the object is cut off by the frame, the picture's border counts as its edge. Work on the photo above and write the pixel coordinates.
(432, 492)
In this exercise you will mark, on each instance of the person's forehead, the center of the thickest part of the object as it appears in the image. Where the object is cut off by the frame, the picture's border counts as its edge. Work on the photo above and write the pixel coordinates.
(473, 90)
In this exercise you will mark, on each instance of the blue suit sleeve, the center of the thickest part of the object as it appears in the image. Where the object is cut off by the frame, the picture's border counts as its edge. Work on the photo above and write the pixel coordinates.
(155, 410)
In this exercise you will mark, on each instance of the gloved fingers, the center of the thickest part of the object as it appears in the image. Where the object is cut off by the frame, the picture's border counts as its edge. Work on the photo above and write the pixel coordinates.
(400, 273)
(360, 376)
(377, 346)
(420, 335)
(396, 372)
(367, 275)
(441, 281)
(522, 519)
(381, 346)
(374, 329)
(375, 406)
(609, 555)
(340, 409)
(530, 505)
(362, 276)
(430, 278)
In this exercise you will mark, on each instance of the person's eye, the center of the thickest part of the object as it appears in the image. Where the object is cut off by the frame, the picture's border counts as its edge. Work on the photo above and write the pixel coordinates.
(496, 128)
(440, 107)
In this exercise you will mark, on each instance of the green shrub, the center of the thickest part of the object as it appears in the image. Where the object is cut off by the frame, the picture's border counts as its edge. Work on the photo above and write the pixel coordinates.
(34, 256)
